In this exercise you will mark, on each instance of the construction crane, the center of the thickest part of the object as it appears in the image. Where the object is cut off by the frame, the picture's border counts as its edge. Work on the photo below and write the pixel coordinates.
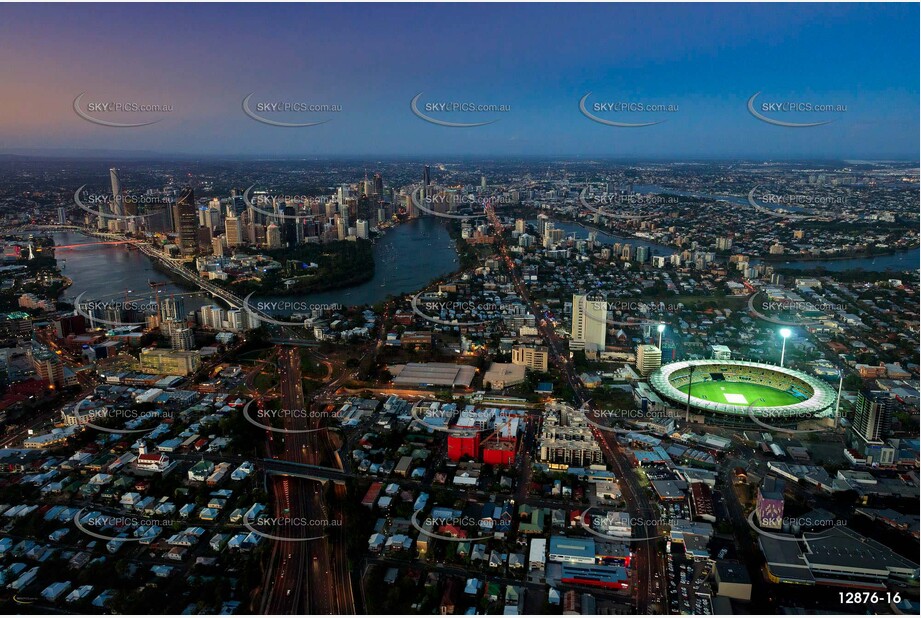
(155, 286)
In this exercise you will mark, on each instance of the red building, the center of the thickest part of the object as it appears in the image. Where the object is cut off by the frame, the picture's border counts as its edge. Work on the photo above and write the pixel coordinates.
(498, 452)
(460, 445)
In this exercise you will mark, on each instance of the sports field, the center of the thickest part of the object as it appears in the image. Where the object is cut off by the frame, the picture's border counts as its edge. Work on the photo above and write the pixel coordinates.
(740, 394)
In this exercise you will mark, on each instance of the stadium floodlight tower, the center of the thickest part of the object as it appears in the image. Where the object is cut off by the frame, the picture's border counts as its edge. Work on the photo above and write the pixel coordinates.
(838, 399)
(785, 334)
(687, 411)
(661, 329)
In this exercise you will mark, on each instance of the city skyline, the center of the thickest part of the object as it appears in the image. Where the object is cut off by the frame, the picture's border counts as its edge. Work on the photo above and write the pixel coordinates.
(460, 309)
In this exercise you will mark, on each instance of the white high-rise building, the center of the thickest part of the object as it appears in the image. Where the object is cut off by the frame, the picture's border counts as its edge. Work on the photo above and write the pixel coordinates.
(212, 316)
(648, 358)
(235, 320)
(589, 323)
(362, 228)
(273, 236)
(343, 193)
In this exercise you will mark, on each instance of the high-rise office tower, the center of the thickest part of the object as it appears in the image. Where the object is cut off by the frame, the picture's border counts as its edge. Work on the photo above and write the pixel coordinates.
(589, 318)
(118, 202)
(289, 226)
(409, 205)
(343, 194)
(363, 228)
(378, 185)
(233, 230)
(872, 415)
(426, 181)
(204, 239)
(273, 236)
(259, 234)
(185, 217)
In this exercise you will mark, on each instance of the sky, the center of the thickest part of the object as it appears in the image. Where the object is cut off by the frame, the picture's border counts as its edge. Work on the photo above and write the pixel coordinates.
(539, 60)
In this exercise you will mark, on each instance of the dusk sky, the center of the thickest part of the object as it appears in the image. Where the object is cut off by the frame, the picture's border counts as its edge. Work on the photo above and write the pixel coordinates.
(539, 60)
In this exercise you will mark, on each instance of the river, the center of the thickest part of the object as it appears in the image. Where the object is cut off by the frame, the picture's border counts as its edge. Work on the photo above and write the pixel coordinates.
(407, 257)
(582, 231)
(105, 272)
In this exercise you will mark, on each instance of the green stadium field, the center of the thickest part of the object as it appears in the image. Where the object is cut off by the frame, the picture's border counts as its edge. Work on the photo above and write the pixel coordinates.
(740, 394)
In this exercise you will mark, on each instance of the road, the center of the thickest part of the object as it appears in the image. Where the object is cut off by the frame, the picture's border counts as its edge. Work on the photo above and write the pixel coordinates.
(305, 577)
(647, 559)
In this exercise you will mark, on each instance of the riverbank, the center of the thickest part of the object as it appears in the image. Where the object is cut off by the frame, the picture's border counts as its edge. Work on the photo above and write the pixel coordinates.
(407, 258)
(855, 256)
(310, 269)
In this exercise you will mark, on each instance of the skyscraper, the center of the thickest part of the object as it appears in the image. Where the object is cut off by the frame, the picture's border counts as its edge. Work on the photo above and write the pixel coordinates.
(872, 415)
(233, 231)
(378, 185)
(426, 181)
(185, 217)
(289, 226)
(204, 239)
(273, 236)
(588, 323)
(118, 203)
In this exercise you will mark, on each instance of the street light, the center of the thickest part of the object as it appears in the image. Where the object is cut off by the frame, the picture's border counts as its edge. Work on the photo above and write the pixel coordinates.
(661, 329)
(784, 332)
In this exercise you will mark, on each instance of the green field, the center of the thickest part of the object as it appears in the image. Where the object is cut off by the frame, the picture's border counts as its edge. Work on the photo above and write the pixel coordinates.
(740, 394)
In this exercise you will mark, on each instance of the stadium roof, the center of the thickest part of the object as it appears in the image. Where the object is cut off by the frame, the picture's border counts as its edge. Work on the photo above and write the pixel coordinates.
(822, 398)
